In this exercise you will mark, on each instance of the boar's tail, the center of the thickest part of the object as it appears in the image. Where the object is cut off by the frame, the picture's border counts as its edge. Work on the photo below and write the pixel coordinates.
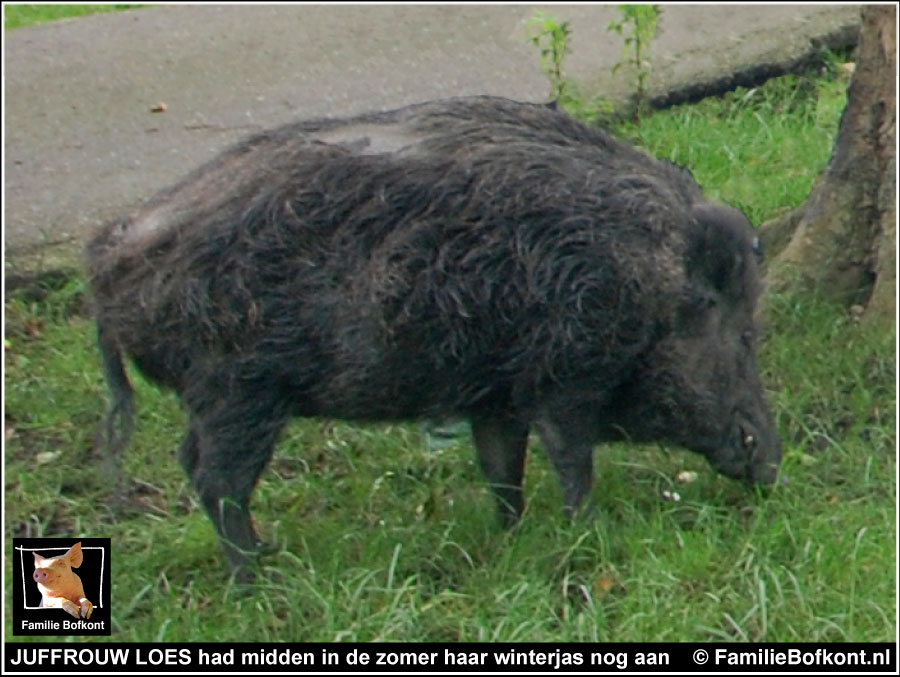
(119, 423)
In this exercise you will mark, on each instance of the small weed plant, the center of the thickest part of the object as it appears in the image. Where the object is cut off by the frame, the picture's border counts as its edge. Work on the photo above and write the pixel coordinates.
(638, 24)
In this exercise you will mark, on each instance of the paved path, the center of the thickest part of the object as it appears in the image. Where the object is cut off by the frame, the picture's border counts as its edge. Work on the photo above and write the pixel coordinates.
(82, 144)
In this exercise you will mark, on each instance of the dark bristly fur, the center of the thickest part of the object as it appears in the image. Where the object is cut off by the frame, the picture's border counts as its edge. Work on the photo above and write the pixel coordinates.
(475, 258)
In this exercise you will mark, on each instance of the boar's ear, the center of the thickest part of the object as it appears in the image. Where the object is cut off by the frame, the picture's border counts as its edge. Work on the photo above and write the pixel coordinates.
(75, 555)
(720, 247)
(38, 558)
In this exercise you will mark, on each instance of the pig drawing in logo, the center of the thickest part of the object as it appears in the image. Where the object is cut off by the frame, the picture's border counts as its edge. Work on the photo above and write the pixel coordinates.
(59, 585)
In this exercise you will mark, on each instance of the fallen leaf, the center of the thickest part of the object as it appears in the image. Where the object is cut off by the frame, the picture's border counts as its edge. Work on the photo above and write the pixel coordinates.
(603, 585)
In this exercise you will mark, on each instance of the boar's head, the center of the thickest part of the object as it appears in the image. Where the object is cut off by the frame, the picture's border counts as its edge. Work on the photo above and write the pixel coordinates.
(699, 386)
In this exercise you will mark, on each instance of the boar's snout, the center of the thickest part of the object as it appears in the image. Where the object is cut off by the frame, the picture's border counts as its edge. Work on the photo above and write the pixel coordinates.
(751, 452)
(40, 576)
(765, 459)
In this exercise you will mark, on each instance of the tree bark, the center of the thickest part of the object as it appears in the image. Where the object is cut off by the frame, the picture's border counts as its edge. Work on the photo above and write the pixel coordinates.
(843, 239)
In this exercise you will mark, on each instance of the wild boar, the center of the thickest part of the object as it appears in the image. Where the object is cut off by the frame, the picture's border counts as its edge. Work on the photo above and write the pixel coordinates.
(59, 585)
(472, 258)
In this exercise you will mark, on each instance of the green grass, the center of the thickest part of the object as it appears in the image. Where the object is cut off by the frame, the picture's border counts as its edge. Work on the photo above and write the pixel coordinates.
(16, 16)
(379, 539)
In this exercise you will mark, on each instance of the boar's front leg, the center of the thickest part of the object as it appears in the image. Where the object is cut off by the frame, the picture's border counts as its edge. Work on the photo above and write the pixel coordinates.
(231, 439)
(501, 444)
(569, 444)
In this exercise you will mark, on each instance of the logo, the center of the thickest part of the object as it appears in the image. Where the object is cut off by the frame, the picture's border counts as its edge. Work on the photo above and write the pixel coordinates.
(61, 586)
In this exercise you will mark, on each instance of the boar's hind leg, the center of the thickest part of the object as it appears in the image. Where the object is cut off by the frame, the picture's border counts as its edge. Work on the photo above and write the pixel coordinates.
(225, 474)
(224, 453)
(500, 444)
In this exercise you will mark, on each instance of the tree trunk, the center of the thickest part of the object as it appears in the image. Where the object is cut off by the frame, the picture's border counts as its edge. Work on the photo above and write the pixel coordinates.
(843, 239)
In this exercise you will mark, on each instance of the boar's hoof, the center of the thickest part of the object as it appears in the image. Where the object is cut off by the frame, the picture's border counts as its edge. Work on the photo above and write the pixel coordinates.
(245, 565)
(264, 548)
(248, 575)
(71, 608)
(86, 608)
(584, 513)
(244, 574)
